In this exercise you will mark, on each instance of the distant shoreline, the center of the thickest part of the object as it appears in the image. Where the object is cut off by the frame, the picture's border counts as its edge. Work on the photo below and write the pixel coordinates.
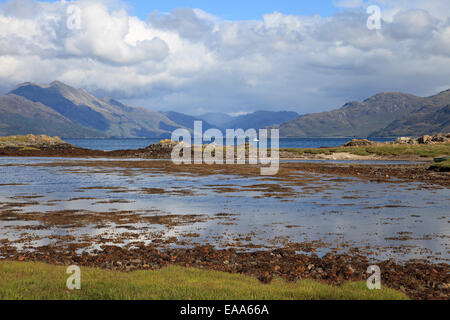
(423, 149)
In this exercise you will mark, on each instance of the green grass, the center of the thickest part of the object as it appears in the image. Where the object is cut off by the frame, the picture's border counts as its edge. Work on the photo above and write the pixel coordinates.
(425, 150)
(29, 149)
(27, 140)
(441, 166)
(38, 281)
(14, 139)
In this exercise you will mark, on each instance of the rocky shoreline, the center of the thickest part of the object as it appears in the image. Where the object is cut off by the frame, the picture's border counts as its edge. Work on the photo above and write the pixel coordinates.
(425, 139)
(44, 146)
(418, 280)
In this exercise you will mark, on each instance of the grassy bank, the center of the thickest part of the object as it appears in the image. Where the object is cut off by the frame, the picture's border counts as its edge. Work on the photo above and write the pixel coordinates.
(29, 142)
(441, 166)
(23, 280)
(423, 150)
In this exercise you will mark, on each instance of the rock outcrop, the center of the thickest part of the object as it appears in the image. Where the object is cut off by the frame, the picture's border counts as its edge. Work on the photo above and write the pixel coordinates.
(32, 141)
(358, 143)
(425, 139)
(161, 150)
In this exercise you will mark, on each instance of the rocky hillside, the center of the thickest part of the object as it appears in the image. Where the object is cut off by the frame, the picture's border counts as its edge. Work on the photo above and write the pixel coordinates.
(354, 119)
(433, 116)
(383, 115)
(88, 115)
(19, 116)
(426, 119)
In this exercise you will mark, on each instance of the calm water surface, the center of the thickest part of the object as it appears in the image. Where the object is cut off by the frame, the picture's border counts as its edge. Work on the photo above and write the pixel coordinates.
(124, 144)
(400, 220)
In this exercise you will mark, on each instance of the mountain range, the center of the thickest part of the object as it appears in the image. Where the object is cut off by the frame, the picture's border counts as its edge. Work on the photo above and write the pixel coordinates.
(80, 110)
(61, 110)
(382, 115)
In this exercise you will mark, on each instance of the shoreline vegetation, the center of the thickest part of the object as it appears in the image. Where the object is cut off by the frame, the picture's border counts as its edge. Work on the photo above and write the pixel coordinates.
(40, 281)
(415, 279)
(424, 148)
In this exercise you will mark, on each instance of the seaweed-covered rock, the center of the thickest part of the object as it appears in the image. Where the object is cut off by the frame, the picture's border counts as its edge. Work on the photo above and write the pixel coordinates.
(441, 137)
(357, 143)
(161, 150)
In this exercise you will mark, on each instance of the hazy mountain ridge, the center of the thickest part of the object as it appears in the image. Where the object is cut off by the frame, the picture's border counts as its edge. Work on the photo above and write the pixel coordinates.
(218, 119)
(255, 120)
(187, 120)
(383, 115)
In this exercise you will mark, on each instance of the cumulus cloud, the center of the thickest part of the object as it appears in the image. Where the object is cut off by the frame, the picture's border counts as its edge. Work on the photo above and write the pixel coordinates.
(21, 8)
(191, 61)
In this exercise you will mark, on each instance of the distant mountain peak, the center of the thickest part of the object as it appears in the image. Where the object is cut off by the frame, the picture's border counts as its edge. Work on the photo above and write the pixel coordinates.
(58, 83)
(389, 95)
(445, 91)
(445, 94)
(25, 84)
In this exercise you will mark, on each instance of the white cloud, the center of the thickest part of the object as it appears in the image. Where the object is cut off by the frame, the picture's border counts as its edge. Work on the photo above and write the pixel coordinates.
(192, 61)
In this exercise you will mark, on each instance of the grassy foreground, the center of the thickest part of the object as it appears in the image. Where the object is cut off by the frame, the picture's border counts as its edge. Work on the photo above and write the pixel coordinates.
(422, 150)
(31, 281)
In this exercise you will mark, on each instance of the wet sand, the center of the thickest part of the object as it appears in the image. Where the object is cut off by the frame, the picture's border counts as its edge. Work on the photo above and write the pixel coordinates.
(417, 172)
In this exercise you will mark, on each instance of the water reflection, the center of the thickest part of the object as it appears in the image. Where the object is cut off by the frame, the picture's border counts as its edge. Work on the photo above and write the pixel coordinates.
(398, 220)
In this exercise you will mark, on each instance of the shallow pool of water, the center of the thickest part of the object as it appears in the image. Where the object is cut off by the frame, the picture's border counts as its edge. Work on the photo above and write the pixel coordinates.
(394, 220)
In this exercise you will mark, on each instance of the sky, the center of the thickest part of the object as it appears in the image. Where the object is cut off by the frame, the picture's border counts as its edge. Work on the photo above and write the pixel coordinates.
(230, 9)
(238, 9)
(198, 56)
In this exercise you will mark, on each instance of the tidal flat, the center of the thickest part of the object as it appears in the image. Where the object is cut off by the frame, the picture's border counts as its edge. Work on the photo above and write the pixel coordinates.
(382, 212)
